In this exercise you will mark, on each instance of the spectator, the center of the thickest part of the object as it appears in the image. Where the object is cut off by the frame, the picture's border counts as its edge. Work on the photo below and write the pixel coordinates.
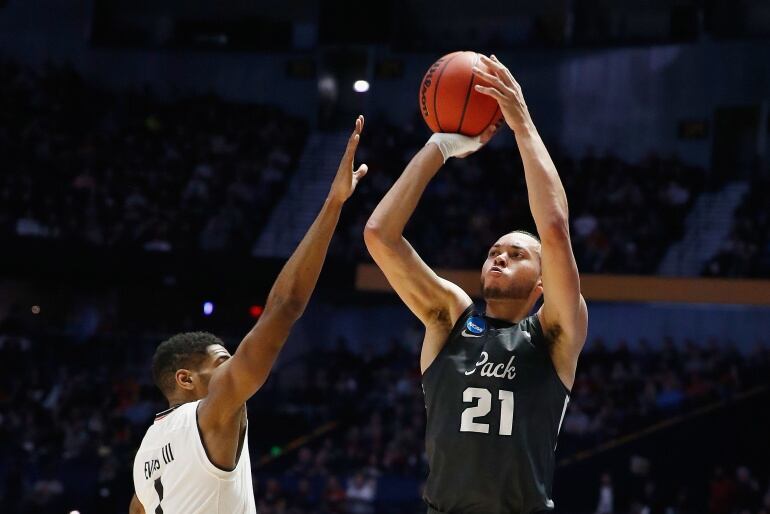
(606, 503)
(721, 492)
(334, 496)
(746, 489)
(360, 494)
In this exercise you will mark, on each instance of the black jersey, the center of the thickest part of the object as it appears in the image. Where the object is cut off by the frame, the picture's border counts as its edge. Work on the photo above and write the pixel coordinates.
(494, 408)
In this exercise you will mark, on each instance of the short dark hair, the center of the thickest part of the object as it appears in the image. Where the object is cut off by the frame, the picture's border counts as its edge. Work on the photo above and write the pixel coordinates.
(530, 234)
(186, 350)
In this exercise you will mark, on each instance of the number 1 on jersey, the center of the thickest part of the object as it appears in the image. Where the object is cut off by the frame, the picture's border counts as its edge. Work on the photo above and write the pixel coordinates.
(482, 408)
(506, 412)
(159, 490)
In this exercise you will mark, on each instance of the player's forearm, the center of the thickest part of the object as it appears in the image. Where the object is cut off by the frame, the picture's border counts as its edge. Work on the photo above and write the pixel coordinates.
(296, 281)
(547, 199)
(252, 362)
(388, 220)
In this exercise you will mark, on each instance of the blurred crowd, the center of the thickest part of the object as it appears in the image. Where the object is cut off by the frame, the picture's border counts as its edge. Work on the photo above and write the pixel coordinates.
(85, 165)
(619, 390)
(124, 170)
(746, 252)
(344, 437)
(728, 491)
(623, 216)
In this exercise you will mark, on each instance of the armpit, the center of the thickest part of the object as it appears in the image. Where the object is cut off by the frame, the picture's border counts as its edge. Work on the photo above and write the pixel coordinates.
(441, 318)
(552, 333)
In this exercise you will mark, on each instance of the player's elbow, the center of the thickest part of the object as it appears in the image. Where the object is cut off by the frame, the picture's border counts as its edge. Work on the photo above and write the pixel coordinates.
(375, 237)
(289, 307)
(293, 311)
(293, 308)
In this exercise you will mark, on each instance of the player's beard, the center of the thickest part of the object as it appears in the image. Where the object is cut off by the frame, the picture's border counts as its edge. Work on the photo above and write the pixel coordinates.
(515, 290)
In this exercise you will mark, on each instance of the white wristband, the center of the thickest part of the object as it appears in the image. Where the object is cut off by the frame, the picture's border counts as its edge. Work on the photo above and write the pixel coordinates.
(452, 145)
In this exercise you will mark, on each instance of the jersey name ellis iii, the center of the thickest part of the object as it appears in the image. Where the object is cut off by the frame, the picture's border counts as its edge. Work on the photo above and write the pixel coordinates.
(494, 409)
(173, 474)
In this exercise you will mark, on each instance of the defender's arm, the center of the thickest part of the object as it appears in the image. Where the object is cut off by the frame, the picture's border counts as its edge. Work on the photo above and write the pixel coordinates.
(242, 375)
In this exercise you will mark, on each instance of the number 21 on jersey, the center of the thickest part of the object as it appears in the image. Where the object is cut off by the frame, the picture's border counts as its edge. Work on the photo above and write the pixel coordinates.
(482, 408)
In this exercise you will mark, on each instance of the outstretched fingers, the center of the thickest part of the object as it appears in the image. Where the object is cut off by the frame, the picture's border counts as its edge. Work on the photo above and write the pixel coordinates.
(491, 79)
(359, 173)
(490, 91)
(500, 69)
(355, 137)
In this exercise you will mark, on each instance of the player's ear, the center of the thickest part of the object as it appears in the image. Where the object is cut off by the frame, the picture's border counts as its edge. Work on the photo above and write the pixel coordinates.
(184, 379)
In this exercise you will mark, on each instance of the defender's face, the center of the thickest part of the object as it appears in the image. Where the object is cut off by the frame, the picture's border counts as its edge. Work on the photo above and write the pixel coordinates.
(512, 268)
(217, 355)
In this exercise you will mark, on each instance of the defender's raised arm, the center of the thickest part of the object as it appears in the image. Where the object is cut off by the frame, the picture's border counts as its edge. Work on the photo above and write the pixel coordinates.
(240, 377)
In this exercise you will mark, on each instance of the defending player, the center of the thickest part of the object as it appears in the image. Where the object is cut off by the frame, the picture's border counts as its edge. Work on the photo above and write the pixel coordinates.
(496, 383)
(195, 456)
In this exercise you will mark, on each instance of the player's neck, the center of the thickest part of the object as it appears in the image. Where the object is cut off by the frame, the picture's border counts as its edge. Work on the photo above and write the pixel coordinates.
(508, 310)
(178, 399)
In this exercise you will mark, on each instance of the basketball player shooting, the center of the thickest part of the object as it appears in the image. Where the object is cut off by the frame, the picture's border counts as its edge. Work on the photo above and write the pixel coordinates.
(195, 456)
(496, 382)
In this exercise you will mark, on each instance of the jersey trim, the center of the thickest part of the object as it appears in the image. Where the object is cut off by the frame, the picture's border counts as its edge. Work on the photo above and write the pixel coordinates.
(239, 451)
(539, 327)
(164, 413)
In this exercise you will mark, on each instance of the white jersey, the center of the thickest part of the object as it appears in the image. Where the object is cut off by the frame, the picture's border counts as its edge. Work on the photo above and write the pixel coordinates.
(173, 474)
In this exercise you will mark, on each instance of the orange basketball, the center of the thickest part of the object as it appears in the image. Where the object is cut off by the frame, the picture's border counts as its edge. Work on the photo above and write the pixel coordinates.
(448, 101)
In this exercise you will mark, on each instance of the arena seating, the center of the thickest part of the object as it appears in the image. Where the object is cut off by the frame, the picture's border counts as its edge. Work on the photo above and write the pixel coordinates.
(69, 427)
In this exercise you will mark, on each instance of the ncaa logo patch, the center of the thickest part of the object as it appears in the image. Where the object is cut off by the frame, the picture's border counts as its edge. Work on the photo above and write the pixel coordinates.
(476, 325)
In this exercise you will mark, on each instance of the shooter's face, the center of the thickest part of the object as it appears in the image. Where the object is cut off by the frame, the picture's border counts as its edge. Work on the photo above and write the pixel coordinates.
(512, 269)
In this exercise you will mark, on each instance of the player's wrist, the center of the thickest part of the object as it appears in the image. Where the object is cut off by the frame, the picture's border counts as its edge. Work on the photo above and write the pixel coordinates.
(334, 201)
(454, 145)
(523, 127)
